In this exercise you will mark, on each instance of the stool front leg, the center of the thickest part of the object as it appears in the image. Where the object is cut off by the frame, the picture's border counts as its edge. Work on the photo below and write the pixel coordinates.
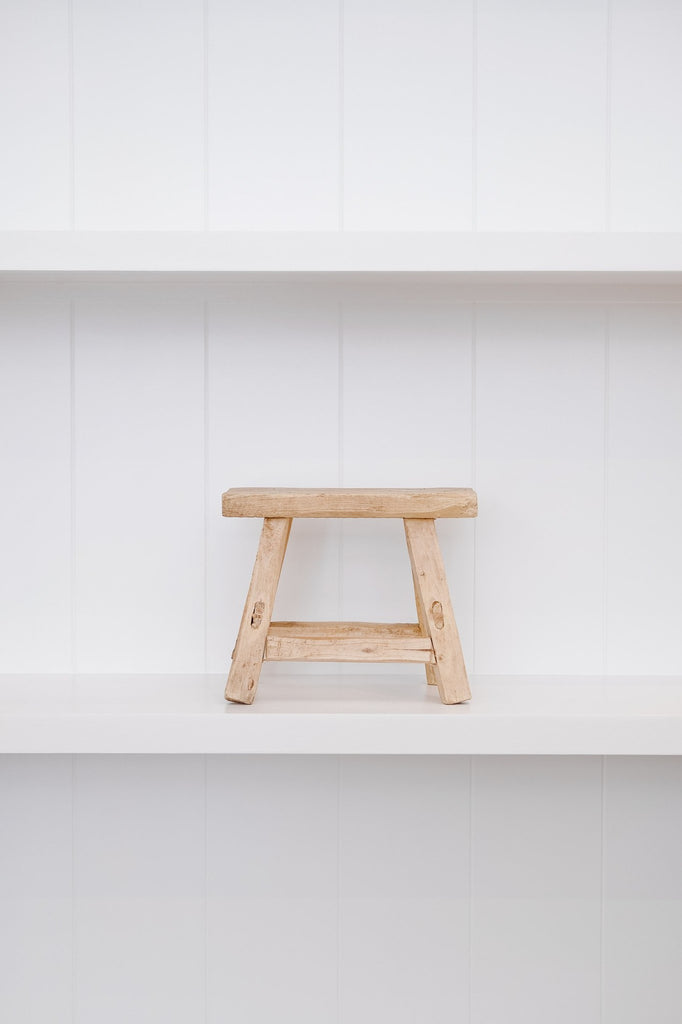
(434, 601)
(431, 674)
(247, 659)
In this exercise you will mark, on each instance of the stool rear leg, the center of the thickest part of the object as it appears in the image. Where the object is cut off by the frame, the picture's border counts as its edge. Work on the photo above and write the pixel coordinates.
(434, 599)
(247, 659)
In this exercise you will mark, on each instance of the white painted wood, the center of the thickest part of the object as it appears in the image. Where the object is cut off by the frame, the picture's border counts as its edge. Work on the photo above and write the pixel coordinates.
(540, 480)
(646, 136)
(536, 888)
(34, 116)
(308, 117)
(273, 421)
(271, 889)
(142, 890)
(139, 465)
(139, 889)
(273, 105)
(35, 890)
(339, 714)
(643, 890)
(35, 510)
(644, 556)
(406, 422)
(403, 927)
(138, 115)
(407, 115)
(535, 256)
(541, 110)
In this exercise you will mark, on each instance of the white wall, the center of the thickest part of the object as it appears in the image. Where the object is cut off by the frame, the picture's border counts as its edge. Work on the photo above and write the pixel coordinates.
(324, 114)
(556, 404)
(313, 889)
(490, 891)
(128, 409)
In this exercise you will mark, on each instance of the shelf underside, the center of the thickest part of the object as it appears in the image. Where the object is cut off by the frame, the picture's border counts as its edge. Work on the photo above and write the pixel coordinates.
(340, 714)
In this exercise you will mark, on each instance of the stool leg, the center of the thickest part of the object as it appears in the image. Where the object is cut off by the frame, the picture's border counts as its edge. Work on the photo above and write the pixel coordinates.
(429, 577)
(247, 659)
(431, 674)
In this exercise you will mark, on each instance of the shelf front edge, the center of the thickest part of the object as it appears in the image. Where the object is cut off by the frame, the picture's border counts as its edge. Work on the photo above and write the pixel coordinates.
(312, 733)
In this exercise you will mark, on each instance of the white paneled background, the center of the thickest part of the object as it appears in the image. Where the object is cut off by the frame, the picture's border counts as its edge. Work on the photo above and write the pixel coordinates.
(128, 408)
(190, 889)
(323, 114)
(313, 890)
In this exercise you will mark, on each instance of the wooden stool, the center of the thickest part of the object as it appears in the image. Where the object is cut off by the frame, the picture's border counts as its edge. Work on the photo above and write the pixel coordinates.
(434, 640)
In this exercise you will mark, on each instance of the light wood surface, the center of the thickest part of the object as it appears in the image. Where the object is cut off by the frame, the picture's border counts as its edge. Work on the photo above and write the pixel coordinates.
(351, 503)
(433, 641)
(430, 582)
(431, 673)
(353, 648)
(247, 658)
(345, 629)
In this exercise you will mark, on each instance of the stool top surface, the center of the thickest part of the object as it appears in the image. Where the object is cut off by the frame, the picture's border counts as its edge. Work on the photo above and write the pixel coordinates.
(351, 503)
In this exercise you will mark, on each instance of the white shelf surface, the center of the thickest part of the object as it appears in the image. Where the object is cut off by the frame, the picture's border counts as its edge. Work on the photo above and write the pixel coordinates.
(527, 255)
(340, 714)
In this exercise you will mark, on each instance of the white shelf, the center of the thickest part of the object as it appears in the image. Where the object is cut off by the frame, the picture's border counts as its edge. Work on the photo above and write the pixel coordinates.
(527, 256)
(337, 714)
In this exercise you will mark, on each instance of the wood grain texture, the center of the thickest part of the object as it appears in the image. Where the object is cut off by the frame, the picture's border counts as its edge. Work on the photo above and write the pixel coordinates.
(431, 674)
(354, 648)
(248, 654)
(346, 629)
(351, 503)
(430, 581)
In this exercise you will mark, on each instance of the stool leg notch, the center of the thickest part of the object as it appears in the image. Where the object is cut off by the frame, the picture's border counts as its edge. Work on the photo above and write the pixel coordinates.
(249, 651)
(434, 609)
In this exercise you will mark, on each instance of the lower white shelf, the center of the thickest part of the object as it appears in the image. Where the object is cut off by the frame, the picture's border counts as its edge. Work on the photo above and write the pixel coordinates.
(340, 714)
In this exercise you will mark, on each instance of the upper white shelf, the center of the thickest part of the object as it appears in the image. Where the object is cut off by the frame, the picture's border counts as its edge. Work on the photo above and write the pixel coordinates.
(337, 714)
(526, 256)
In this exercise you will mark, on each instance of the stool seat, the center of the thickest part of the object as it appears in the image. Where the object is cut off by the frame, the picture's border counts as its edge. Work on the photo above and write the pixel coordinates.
(351, 503)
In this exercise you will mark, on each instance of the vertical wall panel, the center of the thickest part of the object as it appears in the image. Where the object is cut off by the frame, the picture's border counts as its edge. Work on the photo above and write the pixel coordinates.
(536, 896)
(407, 103)
(35, 511)
(646, 137)
(273, 115)
(540, 480)
(139, 114)
(406, 423)
(35, 889)
(139, 482)
(34, 115)
(644, 599)
(139, 889)
(643, 909)
(541, 115)
(273, 412)
(404, 889)
(272, 889)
